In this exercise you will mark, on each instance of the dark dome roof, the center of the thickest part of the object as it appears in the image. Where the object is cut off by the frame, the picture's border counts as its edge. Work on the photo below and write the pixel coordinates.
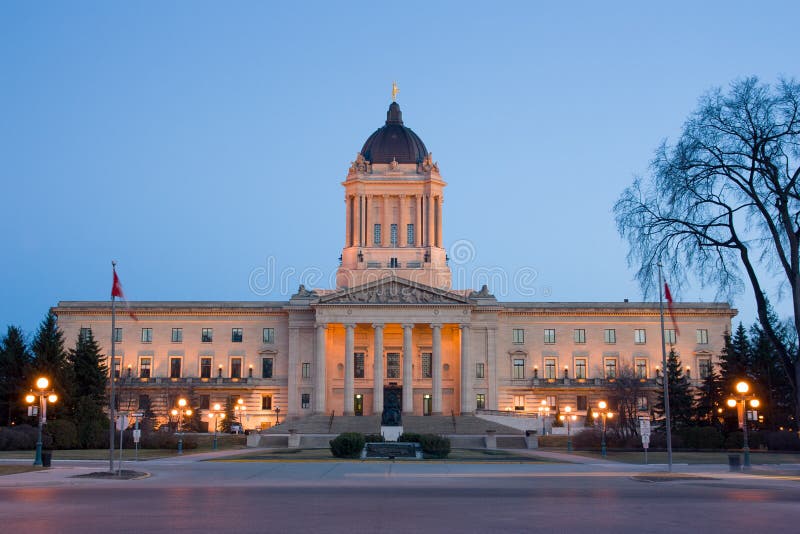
(394, 141)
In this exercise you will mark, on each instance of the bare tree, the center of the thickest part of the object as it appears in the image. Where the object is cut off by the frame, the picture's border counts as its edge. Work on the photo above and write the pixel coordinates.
(624, 393)
(723, 203)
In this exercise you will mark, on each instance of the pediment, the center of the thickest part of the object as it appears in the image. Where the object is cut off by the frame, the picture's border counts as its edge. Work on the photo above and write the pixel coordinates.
(393, 290)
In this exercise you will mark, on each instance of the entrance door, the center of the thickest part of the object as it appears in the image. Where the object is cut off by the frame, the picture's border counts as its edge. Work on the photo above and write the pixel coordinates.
(427, 403)
(358, 404)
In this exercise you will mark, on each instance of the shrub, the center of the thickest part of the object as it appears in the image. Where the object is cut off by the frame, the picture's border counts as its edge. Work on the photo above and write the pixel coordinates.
(585, 439)
(434, 446)
(735, 440)
(63, 433)
(374, 438)
(782, 441)
(347, 445)
(409, 437)
(20, 438)
(703, 437)
(163, 440)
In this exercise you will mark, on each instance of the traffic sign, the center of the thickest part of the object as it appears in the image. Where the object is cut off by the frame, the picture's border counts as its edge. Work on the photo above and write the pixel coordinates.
(137, 435)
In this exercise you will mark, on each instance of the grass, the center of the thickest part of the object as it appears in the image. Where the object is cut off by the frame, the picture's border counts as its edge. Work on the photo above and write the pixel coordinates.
(694, 458)
(14, 469)
(456, 455)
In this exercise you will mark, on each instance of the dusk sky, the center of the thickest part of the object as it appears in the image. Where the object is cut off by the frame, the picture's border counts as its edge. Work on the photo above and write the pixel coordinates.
(202, 145)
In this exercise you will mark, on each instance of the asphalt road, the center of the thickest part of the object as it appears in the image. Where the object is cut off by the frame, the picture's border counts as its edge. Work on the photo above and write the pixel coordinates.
(184, 496)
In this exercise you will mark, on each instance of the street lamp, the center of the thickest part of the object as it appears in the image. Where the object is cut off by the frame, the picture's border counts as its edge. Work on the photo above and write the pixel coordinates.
(742, 388)
(544, 411)
(569, 417)
(216, 416)
(44, 397)
(240, 409)
(277, 415)
(180, 412)
(605, 413)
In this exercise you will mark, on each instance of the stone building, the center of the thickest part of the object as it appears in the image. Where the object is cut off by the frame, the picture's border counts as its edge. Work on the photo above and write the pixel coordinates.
(394, 325)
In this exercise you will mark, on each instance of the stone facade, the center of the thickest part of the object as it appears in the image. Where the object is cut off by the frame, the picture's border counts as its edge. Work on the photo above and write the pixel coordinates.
(393, 322)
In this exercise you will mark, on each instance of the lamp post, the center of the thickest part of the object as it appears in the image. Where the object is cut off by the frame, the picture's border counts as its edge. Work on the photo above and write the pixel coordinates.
(216, 416)
(742, 388)
(544, 411)
(605, 413)
(44, 397)
(239, 410)
(277, 415)
(569, 417)
(180, 412)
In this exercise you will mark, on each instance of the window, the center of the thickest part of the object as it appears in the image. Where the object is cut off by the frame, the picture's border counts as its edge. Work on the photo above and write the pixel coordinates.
(266, 368)
(85, 334)
(147, 335)
(268, 335)
(641, 403)
(266, 402)
(117, 363)
(144, 402)
(177, 335)
(611, 368)
(205, 367)
(669, 336)
(610, 336)
(518, 336)
(552, 401)
(174, 367)
(639, 336)
(549, 335)
(207, 335)
(392, 365)
(550, 368)
(306, 370)
(519, 403)
(236, 335)
(393, 234)
(358, 367)
(236, 368)
(205, 402)
(410, 234)
(582, 402)
(145, 364)
(480, 371)
(702, 337)
(579, 335)
(580, 368)
(518, 371)
(641, 368)
(480, 401)
(118, 335)
(426, 365)
(394, 263)
(376, 234)
(704, 367)
(305, 401)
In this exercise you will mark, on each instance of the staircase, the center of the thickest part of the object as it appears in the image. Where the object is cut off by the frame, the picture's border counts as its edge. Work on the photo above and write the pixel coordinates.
(371, 424)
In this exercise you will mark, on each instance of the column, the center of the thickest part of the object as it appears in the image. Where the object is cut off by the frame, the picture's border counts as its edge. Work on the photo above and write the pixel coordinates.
(491, 361)
(402, 230)
(429, 222)
(408, 379)
(386, 224)
(291, 382)
(348, 232)
(436, 364)
(467, 395)
(349, 408)
(377, 374)
(439, 221)
(367, 231)
(320, 391)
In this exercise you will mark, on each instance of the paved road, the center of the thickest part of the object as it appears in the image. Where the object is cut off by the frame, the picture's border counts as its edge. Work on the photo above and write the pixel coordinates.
(185, 495)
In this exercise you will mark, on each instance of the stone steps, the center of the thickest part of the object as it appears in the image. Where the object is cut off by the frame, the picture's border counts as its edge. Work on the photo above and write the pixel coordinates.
(371, 424)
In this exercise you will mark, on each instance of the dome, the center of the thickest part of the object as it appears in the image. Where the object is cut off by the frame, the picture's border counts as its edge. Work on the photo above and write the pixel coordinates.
(393, 141)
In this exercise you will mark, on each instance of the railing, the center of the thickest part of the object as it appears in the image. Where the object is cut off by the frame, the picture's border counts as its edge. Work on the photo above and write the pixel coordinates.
(508, 413)
(330, 422)
(453, 417)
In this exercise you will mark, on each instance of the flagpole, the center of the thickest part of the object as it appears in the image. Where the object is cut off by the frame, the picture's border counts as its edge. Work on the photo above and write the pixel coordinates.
(665, 374)
(111, 375)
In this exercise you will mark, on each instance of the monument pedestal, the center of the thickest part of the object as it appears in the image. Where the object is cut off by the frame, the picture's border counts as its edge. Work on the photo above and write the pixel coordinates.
(391, 433)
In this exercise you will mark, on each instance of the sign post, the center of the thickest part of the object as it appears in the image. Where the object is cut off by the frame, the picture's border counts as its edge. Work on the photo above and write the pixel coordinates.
(137, 433)
(644, 430)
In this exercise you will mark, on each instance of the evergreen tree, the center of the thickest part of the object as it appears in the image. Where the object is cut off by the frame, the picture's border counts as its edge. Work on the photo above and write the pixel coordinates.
(15, 377)
(680, 397)
(770, 383)
(230, 416)
(50, 360)
(88, 391)
(710, 399)
(734, 362)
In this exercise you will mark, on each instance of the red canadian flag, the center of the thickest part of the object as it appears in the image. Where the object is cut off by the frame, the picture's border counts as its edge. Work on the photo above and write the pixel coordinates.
(116, 291)
(668, 296)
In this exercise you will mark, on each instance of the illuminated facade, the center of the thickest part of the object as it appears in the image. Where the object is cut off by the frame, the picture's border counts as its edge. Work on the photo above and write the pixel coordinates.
(393, 324)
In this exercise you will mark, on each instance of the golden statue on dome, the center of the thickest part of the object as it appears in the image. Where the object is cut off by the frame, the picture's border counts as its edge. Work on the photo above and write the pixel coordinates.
(395, 90)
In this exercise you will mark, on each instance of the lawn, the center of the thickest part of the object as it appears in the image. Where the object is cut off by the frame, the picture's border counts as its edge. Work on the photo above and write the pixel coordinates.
(456, 455)
(695, 458)
(14, 469)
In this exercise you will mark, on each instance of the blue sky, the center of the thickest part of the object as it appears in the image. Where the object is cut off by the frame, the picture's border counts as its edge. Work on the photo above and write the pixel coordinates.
(203, 144)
